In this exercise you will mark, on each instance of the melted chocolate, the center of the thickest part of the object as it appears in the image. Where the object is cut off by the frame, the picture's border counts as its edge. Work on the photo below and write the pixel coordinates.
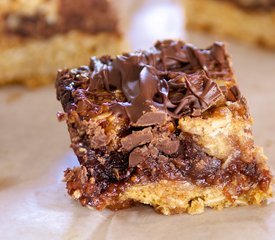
(173, 79)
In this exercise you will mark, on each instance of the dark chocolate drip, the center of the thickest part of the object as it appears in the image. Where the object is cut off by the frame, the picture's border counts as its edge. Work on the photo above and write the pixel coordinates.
(173, 79)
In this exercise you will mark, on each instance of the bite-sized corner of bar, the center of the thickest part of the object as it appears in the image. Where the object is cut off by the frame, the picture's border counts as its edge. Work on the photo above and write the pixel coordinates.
(167, 127)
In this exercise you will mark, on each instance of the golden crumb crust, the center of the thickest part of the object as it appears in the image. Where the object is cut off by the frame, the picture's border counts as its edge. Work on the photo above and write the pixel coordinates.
(168, 197)
(35, 62)
(173, 197)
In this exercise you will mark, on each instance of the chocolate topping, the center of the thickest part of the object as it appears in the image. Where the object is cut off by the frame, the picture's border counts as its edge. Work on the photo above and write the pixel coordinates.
(151, 118)
(172, 79)
(234, 94)
(157, 79)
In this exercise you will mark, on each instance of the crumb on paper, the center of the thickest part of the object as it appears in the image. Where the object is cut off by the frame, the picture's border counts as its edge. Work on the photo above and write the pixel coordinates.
(13, 97)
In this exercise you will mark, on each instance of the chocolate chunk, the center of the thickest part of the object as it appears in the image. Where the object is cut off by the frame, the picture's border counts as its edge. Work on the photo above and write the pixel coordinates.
(151, 118)
(197, 58)
(204, 88)
(168, 146)
(137, 156)
(137, 138)
(233, 93)
(219, 52)
(201, 94)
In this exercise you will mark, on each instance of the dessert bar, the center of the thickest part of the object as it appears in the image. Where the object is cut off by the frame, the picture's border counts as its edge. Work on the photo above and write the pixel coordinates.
(251, 21)
(37, 37)
(167, 127)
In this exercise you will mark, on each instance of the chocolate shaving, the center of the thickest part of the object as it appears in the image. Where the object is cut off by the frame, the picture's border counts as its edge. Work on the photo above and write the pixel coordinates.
(168, 146)
(137, 138)
(137, 156)
(234, 93)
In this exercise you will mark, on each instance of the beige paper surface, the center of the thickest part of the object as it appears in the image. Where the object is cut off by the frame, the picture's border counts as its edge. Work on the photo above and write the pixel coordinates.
(34, 152)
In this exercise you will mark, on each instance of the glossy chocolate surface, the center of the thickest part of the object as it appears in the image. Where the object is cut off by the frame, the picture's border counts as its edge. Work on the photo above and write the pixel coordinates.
(172, 78)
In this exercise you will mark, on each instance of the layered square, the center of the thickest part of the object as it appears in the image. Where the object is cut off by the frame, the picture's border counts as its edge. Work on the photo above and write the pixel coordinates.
(37, 37)
(167, 127)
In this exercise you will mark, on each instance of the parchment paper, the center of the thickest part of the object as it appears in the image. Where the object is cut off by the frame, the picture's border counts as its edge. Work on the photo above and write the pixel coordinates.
(34, 152)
